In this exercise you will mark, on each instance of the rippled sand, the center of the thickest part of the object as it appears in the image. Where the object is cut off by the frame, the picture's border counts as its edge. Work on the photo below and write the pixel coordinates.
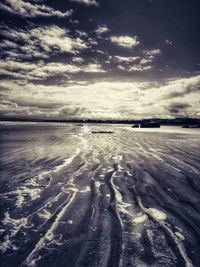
(72, 198)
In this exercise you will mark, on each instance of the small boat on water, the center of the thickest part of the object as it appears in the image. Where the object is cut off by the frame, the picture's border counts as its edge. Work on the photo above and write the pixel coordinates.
(135, 126)
(102, 132)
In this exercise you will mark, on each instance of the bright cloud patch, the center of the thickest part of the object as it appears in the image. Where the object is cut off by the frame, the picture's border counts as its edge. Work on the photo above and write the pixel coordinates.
(93, 68)
(50, 37)
(125, 41)
(139, 68)
(101, 29)
(41, 42)
(142, 62)
(86, 2)
(125, 59)
(28, 9)
(152, 53)
(114, 99)
(41, 71)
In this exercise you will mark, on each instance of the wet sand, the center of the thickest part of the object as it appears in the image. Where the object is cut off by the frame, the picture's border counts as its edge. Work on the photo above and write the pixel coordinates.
(72, 198)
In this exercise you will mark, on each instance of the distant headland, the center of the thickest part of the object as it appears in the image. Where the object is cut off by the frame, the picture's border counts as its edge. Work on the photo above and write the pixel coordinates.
(174, 121)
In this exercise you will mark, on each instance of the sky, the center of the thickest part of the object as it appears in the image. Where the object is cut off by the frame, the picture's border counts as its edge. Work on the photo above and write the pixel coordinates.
(100, 59)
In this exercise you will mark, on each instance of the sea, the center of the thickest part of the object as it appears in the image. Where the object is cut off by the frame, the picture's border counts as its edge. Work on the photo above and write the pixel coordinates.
(99, 195)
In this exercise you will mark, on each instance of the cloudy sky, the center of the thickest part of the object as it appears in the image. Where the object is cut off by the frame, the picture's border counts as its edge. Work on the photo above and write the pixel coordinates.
(100, 58)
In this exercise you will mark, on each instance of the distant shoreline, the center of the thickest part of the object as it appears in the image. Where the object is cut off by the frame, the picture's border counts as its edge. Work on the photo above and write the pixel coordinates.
(176, 121)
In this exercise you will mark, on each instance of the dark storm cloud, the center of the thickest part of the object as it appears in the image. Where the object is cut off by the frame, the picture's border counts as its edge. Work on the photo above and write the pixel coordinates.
(186, 88)
(178, 107)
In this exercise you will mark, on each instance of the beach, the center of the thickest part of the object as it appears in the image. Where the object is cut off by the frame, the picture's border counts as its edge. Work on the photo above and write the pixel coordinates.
(71, 196)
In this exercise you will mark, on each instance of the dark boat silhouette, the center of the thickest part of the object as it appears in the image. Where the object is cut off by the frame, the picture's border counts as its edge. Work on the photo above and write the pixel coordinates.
(135, 126)
(102, 132)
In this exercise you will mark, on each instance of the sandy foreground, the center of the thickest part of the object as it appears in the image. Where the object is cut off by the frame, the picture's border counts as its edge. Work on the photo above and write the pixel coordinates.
(72, 198)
